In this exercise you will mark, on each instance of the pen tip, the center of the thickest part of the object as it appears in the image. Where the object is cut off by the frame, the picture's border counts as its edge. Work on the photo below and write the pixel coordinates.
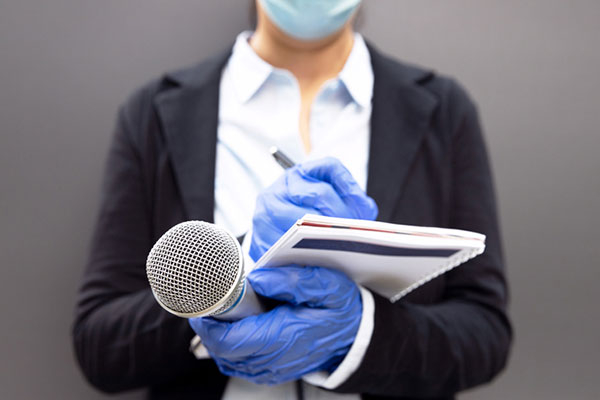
(273, 149)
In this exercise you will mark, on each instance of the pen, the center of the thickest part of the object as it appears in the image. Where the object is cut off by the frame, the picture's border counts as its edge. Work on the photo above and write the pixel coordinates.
(196, 345)
(281, 158)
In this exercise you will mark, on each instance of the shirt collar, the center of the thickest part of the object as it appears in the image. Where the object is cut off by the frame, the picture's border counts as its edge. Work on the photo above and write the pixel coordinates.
(357, 74)
(249, 71)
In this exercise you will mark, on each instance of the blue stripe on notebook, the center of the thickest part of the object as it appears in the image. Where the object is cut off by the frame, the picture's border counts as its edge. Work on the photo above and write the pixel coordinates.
(369, 248)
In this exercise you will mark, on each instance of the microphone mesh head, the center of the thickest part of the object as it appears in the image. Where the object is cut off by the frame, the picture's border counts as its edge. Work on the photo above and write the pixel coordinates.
(195, 269)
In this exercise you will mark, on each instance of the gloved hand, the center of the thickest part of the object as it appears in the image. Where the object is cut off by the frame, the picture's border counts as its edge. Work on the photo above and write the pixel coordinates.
(323, 187)
(312, 330)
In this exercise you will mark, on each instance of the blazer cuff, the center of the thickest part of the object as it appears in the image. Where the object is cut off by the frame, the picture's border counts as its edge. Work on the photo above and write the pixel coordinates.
(352, 361)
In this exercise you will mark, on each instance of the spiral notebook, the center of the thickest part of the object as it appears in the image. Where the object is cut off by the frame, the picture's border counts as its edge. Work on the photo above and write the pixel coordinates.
(389, 259)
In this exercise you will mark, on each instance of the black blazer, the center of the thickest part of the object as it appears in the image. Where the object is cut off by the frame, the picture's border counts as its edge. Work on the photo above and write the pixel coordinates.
(428, 166)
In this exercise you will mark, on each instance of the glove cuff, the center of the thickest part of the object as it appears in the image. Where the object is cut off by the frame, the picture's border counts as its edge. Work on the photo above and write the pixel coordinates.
(352, 361)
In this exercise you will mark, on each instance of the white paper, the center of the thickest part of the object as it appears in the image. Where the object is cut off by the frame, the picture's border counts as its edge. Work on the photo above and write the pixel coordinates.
(392, 276)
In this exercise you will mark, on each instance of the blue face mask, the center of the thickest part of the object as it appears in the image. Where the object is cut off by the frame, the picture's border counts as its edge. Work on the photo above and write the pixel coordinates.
(309, 19)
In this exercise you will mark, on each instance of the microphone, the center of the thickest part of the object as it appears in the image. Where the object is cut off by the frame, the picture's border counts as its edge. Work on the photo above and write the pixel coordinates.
(196, 269)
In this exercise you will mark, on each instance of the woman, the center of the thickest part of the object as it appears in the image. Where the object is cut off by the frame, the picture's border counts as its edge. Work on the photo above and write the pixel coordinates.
(193, 145)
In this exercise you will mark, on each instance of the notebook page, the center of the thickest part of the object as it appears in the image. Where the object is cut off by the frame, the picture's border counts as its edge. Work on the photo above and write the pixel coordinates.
(389, 264)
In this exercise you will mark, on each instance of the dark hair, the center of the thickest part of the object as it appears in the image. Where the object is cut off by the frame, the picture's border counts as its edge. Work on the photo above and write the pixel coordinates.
(252, 13)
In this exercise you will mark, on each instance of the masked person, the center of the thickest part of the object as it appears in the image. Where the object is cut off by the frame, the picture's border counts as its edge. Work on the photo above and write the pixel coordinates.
(374, 138)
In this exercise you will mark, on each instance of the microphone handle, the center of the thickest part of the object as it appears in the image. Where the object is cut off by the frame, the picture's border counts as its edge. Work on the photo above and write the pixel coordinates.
(247, 305)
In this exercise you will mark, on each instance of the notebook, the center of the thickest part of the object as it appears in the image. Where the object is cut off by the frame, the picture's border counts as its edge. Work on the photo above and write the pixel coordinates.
(390, 259)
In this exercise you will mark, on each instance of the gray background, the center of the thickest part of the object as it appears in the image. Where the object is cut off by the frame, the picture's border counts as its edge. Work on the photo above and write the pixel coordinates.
(532, 65)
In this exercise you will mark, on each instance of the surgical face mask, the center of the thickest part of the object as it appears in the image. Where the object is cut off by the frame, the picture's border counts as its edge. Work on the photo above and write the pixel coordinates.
(309, 19)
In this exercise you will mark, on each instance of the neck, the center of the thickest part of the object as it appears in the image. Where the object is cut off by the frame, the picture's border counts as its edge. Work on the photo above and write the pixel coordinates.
(311, 62)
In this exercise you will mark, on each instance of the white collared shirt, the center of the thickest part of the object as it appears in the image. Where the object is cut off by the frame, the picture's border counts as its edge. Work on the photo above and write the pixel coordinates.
(259, 107)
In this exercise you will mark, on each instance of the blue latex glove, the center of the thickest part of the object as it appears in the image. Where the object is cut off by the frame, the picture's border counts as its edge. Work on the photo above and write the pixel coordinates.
(322, 187)
(312, 330)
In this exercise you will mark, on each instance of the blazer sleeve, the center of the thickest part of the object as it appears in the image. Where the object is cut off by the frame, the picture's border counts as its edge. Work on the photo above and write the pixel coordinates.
(122, 338)
(463, 340)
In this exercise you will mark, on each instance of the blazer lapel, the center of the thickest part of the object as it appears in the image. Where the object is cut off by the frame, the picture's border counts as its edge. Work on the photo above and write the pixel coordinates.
(189, 114)
(400, 117)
